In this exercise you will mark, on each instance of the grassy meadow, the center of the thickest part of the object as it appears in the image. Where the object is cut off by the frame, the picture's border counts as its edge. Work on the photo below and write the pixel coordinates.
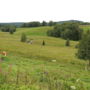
(36, 67)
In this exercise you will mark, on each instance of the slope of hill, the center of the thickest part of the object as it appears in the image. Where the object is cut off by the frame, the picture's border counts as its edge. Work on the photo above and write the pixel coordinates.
(36, 67)
(72, 21)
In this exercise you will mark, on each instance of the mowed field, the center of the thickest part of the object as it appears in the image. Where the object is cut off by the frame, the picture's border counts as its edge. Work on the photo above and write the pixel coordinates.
(36, 67)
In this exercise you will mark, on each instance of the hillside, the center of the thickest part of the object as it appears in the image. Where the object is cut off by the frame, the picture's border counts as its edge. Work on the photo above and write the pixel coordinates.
(71, 21)
(17, 24)
(36, 67)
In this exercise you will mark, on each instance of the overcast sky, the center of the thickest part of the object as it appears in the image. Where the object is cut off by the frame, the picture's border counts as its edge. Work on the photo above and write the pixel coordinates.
(39, 10)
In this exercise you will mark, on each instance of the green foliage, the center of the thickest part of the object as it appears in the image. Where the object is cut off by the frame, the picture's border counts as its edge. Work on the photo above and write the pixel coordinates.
(38, 24)
(43, 43)
(8, 28)
(67, 42)
(67, 30)
(56, 32)
(44, 23)
(77, 46)
(23, 37)
(11, 31)
(32, 24)
(84, 47)
(51, 23)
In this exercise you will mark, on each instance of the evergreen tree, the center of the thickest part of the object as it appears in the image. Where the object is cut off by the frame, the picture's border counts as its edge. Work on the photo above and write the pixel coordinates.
(23, 37)
(43, 43)
(44, 23)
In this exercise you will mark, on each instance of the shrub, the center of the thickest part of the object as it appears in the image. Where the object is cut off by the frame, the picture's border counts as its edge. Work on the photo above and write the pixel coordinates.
(23, 37)
(11, 31)
(67, 42)
(43, 43)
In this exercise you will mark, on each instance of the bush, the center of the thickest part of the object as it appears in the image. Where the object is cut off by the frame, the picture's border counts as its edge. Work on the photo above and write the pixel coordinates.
(43, 43)
(23, 37)
(11, 31)
(67, 42)
(44, 23)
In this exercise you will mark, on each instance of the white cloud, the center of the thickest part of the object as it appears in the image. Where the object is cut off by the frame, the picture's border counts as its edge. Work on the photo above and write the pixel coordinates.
(32, 10)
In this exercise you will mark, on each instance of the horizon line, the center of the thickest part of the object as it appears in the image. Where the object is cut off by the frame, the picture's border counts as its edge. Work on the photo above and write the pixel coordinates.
(42, 21)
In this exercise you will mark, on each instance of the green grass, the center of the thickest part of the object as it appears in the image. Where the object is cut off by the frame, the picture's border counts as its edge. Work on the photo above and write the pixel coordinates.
(40, 31)
(30, 66)
(85, 27)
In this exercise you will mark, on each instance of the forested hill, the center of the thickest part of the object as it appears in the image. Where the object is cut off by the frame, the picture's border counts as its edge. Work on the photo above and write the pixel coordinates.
(17, 24)
(74, 21)
(67, 21)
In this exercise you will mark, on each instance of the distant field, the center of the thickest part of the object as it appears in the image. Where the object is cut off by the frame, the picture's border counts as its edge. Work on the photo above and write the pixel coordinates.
(32, 60)
(40, 31)
(85, 27)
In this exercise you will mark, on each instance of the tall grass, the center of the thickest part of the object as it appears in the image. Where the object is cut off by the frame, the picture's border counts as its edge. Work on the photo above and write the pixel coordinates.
(44, 81)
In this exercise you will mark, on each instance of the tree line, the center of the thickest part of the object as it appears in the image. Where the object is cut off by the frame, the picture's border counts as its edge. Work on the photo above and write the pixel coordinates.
(38, 24)
(70, 31)
(8, 28)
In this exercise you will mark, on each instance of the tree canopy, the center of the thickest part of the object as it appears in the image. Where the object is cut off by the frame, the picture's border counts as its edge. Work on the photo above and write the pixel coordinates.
(84, 47)
(71, 31)
(8, 28)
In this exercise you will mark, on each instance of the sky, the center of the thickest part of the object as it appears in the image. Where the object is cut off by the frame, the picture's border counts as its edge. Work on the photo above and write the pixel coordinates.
(39, 10)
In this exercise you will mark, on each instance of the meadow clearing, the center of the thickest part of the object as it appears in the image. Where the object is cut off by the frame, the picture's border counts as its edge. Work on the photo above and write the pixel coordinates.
(36, 67)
